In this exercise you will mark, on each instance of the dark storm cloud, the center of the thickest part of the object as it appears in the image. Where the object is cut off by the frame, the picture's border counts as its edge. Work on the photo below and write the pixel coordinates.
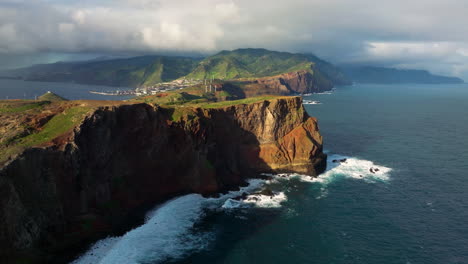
(420, 33)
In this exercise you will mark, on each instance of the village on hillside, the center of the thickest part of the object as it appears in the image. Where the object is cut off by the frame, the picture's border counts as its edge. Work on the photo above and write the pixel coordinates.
(163, 87)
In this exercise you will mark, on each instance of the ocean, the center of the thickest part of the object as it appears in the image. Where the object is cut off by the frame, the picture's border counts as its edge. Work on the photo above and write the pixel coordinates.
(412, 209)
(19, 89)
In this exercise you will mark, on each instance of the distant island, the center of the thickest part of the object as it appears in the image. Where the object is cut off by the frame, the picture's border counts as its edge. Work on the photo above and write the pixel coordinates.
(380, 75)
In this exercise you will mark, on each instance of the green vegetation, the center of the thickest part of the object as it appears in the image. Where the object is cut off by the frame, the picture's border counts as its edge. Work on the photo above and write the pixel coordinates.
(52, 97)
(179, 112)
(149, 70)
(238, 102)
(48, 121)
(58, 125)
(22, 136)
(128, 72)
(20, 106)
(249, 63)
(139, 71)
(173, 98)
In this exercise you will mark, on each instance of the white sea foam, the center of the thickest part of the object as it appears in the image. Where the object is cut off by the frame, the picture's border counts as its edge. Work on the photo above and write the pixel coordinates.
(344, 167)
(310, 102)
(257, 200)
(266, 201)
(167, 232)
(327, 92)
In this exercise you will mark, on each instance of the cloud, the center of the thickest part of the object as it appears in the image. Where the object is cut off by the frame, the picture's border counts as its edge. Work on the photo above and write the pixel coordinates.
(395, 33)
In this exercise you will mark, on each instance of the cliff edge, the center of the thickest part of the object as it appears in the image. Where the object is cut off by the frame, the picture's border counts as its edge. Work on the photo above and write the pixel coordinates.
(121, 159)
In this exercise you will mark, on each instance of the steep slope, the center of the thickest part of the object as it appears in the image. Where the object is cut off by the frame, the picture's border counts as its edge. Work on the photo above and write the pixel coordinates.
(330, 71)
(249, 63)
(298, 82)
(129, 72)
(256, 63)
(86, 182)
(369, 74)
(265, 66)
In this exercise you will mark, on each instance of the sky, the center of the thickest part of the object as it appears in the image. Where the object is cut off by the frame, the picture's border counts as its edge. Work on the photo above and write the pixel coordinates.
(415, 34)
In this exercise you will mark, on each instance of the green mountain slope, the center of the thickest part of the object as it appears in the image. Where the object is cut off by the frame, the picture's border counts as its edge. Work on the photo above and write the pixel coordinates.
(149, 70)
(129, 72)
(254, 63)
(249, 63)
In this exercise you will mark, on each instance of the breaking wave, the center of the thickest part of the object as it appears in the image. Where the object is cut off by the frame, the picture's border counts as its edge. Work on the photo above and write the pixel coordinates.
(257, 200)
(168, 231)
(339, 166)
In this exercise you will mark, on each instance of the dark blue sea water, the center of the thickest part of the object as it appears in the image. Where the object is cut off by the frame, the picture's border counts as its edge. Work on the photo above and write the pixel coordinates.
(18, 89)
(414, 210)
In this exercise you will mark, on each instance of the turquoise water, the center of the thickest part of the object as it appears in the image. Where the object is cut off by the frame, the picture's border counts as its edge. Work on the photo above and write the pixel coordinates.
(18, 89)
(414, 210)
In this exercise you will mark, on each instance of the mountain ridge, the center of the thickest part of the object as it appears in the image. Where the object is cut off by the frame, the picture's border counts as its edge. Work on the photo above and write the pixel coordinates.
(383, 75)
(149, 70)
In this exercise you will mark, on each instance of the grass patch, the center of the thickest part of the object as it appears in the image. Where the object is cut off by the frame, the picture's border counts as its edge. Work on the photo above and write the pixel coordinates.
(22, 106)
(179, 112)
(52, 97)
(58, 125)
(171, 98)
(238, 102)
(224, 94)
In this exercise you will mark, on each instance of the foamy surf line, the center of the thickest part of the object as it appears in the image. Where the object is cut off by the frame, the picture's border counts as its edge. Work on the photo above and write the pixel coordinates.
(339, 166)
(167, 231)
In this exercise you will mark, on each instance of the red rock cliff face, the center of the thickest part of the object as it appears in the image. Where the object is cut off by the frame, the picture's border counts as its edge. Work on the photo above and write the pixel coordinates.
(289, 83)
(121, 158)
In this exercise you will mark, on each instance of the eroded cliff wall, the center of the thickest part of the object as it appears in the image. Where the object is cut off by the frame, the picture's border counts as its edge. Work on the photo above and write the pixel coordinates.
(122, 158)
(298, 82)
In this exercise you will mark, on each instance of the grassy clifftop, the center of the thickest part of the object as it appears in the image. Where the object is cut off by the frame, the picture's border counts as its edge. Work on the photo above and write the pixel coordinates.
(42, 123)
(29, 123)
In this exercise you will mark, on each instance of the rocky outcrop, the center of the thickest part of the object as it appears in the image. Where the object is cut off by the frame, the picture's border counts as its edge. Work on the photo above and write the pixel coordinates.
(299, 82)
(122, 159)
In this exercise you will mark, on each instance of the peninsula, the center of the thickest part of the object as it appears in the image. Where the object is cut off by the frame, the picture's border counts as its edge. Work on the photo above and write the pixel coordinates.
(72, 172)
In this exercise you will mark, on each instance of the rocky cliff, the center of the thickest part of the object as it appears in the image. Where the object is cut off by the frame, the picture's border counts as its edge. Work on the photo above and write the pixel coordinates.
(298, 82)
(121, 159)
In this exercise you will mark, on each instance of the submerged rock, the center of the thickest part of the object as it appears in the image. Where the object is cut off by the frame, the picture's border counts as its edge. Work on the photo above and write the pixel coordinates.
(267, 192)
